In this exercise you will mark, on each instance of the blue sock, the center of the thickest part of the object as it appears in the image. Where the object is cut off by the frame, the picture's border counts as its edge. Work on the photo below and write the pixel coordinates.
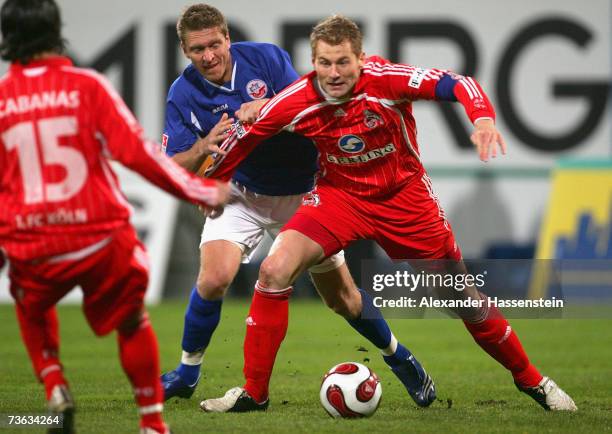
(201, 320)
(371, 323)
(374, 328)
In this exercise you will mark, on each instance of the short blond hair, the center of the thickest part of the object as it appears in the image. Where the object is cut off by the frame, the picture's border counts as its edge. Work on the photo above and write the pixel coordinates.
(335, 30)
(199, 17)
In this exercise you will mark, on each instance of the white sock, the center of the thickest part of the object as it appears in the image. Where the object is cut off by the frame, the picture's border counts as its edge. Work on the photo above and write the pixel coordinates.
(392, 348)
(192, 359)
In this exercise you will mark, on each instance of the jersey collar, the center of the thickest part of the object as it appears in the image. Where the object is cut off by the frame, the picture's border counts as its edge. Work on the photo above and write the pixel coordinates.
(232, 83)
(327, 97)
(48, 62)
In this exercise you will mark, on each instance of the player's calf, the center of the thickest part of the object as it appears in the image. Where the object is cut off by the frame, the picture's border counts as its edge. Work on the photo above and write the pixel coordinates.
(139, 355)
(201, 319)
(494, 334)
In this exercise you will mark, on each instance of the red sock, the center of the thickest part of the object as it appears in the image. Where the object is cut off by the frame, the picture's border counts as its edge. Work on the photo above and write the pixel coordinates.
(266, 328)
(40, 334)
(497, 338)
(140, 360)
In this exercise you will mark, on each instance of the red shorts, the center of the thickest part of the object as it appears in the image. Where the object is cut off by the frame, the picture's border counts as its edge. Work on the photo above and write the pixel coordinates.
(407, 224)
(113, 279)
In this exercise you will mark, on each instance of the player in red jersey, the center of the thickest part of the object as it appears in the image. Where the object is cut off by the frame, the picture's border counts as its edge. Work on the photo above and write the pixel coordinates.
(372, 184)
(64, 221)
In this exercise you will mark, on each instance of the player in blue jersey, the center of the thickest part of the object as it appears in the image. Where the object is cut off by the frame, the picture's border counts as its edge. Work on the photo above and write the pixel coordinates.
(232, 81)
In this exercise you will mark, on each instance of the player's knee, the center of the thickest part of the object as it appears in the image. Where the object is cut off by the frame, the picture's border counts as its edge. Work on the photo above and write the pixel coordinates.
(274, 272)
(129, 324)
(212, 285)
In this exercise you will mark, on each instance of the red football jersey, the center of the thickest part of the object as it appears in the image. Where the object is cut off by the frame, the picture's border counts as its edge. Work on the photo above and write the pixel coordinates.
(367, 142)
(58, 193)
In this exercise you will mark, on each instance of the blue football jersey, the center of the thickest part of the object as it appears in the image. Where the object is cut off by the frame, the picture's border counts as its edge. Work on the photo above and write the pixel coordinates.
(283, 164)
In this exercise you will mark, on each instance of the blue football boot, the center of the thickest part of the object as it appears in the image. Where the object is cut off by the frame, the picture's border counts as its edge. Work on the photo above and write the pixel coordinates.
(419, 385)
(175, 386)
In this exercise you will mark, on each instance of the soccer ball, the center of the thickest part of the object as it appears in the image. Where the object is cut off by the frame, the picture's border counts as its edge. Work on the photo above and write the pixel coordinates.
(350, 390)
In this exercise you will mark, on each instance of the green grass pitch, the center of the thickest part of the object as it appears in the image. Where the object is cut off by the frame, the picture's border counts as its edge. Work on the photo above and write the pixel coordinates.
(476, 395)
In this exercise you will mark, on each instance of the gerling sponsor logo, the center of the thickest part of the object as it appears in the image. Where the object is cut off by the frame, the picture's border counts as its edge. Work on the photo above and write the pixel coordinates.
(362, 158)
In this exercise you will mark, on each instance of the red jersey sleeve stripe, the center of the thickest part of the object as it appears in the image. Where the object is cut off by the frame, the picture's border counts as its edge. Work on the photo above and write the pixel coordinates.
(472, 83)
(284, 94)
(300, 115)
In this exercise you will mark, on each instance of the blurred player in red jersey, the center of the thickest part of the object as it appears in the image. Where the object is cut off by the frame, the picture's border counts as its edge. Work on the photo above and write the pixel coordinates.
(372, 184)
(64, 221)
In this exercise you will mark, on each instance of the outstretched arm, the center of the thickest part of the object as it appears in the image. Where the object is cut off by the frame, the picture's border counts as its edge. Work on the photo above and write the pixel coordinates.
(414, 83)
(122, 139)
(478, 108)
(486, 138)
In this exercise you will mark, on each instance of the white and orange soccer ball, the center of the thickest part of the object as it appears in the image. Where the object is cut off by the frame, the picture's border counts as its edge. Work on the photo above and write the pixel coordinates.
(350, 390)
